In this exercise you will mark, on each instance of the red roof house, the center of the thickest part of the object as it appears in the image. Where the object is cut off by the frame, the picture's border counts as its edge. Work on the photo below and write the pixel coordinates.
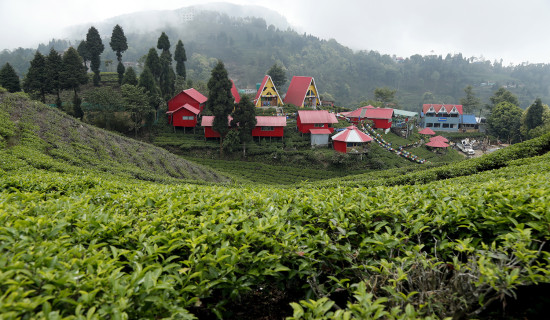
(437, 110)
(349, 138)
(207, 122)
(382, 117)
(267, 126)
(302, 92)
(267, 95)
(184, 108)
(315, 119)
(235, 92)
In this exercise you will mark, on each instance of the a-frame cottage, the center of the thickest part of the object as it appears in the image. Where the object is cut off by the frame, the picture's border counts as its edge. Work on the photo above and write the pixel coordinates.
(267, 95)
(315, 119)
(302, 92)
(184, 108)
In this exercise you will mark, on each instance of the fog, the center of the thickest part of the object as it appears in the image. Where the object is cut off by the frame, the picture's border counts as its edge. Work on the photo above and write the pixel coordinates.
(514, 31)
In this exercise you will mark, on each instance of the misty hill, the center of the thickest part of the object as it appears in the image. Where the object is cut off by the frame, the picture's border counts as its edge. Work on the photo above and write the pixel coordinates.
(251, 39)
(34, 135)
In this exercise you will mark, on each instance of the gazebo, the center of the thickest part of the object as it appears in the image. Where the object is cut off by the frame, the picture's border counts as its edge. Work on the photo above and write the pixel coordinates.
(439, 138)
(437, 144)
(350, 139)
(427, 131)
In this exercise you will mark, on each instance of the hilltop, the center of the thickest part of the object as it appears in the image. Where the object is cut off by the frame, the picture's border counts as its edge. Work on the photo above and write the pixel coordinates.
(34, 135)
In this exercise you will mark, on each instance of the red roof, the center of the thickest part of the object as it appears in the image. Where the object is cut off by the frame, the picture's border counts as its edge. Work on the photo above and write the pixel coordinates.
(270, 121)
(297, 90)
(185, 106)
(437, 107)
(427, 131)
(235, 92)
(317, 116)
(196, 95)
(207, 121)
(319, 131)
(371, 112)
(351, 134)
(439, 138)
(437, 144)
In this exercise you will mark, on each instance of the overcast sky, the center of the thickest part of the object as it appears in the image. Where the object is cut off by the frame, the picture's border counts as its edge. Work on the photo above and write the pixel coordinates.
(513, 30)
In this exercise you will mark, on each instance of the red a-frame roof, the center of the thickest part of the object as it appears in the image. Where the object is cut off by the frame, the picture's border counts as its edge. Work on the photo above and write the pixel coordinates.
(196, 95)
(297, 90)
(235, 92)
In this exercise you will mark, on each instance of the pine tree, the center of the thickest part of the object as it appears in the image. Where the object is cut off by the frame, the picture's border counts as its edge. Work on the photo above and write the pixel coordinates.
(95, 48)
(130, 77)
(73, 74)
(166, 76)
(245, 117)
(35, 81)
(147, 82)
(9, 78)
(470, 103)
(533, 115)
(163, 42)
(153, 63)
(54, 66)
(180, 57)
(84, 53)
(119, 44)
(220, 100)
(278, 75)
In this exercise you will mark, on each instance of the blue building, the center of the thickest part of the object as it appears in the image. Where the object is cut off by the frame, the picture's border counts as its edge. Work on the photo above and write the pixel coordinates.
(441, 117)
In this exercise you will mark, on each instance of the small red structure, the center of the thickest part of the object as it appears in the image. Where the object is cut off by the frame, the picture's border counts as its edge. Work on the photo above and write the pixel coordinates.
(267, 126)
(315, 119)
(235, 92)
(427, 131)
(437, 144)
(439, 138)
(184, 108)
(207, 122)
(349, 138)
(382, 117)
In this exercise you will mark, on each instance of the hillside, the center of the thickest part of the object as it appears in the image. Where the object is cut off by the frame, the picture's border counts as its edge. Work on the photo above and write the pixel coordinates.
(33, 135)
(250, 45)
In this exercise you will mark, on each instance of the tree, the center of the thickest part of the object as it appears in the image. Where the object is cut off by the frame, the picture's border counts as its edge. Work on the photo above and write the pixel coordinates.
(503, 95)
(54, 66)
(278, 75)
(119, 44)
(470, 103)
(153, 63)
(163, 43)
(180, 58)
(533, 116)
(147, 82)
(9, 78)
(167, 75)
(504, 121)
(136, 102)
(244, 117)
(105, 100)
(84, 53)
(220, 100)
(385, 95)
(73, 75)
(95, 47)
(35, 81)
(130, 77)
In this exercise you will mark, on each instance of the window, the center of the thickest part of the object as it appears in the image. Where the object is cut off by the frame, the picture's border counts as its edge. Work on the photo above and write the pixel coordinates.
(437, 125)
(429, 125)
(187, 118)
(319, 125)
(445, 125)
(268, 128)
(453, 126)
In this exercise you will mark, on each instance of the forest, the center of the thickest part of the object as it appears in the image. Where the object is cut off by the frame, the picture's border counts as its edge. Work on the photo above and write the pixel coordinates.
(249, 47)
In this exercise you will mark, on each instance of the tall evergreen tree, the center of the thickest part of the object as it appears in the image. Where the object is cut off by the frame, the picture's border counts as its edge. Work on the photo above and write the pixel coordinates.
(533, 115)
(220, 101)
(153, 63)
(84, 53)
(130, 77)
(95, 48)
(54, 66)
(470, 103)
(9, 78)
(166, 76)
(503, 95)
(245, 117)
(119, 44)
(180, 57)
(163, 42)
(73, 75)
(278, 75)
(35, 81)
(147, 82)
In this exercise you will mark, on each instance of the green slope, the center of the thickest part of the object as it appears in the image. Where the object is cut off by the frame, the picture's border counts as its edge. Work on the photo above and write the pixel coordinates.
(33, 135)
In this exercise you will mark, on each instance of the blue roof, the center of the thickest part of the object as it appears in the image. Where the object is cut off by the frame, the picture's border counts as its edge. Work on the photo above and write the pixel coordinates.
(469, 119)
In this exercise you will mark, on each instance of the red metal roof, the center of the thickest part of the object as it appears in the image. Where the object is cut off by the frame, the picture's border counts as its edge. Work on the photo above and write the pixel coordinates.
(270, 121)
(207, 121)
(371, 112)
(427, 131)
(185, 106)
(437, 107)
(196, 95)
(351, 134)
(439, 138)
(319, 131)
(235, 92)
(262, 86)
(297, 90)
(437, 144)
(317, 116)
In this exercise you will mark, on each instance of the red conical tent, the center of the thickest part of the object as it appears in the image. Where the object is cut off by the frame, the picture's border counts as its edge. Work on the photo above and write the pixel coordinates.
(351, 134)
(427, 131)
(437, 144)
